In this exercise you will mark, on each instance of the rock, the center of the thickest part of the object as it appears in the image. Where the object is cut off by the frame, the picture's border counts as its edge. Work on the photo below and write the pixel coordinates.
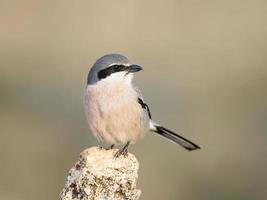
(97, 175)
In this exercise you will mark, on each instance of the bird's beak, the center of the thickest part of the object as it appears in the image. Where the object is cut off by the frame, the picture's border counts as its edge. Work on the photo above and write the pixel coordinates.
(134, 68)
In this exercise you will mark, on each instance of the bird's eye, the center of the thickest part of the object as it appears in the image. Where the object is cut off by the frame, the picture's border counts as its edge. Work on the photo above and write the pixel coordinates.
(116, 67)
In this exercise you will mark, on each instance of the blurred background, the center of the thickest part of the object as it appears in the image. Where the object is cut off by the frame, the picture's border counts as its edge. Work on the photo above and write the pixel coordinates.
(205, 76)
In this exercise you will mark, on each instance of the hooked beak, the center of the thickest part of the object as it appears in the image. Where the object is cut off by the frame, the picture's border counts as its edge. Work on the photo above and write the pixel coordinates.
(134, 68)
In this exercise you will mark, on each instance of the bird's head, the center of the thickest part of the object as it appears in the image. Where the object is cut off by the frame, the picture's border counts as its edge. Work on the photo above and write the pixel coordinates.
(112, 67)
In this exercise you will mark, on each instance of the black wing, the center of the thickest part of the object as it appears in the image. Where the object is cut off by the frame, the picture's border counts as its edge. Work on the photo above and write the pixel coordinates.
(144, 106)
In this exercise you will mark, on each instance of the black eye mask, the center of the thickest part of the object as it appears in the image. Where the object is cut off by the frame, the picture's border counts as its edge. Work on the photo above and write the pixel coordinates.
(110, 70)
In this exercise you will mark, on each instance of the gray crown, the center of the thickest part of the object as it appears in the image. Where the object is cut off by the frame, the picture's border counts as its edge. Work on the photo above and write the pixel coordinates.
(102, 63)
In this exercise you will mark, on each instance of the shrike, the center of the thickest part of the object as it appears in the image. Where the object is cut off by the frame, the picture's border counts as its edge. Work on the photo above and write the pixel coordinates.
(115, 109)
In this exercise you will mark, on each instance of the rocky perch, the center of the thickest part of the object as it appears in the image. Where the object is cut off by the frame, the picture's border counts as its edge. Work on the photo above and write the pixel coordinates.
(97, 175)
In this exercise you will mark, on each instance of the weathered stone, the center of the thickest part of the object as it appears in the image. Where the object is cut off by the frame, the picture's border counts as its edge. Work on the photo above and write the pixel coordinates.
(97, 175)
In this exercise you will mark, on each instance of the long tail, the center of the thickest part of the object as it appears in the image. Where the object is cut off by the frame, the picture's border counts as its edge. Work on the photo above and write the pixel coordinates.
(174, 137)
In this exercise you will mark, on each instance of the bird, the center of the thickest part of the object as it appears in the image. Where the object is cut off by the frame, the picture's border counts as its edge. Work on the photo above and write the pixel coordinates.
(115, 109)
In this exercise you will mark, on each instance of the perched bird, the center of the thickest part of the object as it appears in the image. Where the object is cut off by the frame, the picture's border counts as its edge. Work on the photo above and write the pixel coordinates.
(115, 109)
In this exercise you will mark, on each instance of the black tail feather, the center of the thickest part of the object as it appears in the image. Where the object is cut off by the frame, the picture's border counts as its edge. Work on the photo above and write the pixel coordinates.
(176, 138)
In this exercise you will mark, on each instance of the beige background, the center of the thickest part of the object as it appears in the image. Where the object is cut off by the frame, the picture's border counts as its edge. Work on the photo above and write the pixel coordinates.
(205, 76)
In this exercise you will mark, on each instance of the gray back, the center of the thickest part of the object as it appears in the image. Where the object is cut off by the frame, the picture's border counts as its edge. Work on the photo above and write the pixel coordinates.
(103, 63)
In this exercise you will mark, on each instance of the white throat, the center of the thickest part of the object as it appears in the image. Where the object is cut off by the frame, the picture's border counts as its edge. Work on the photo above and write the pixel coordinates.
(119, 77)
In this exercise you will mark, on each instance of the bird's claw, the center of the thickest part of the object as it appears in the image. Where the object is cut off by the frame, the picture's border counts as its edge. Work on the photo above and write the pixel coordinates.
(123, 151)
(100, 148)
(106, 148)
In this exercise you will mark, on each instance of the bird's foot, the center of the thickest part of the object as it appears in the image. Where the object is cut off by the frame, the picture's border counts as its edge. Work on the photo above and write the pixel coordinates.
(123, 151)
(100, 148)
(106, 148)
(120, 152)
